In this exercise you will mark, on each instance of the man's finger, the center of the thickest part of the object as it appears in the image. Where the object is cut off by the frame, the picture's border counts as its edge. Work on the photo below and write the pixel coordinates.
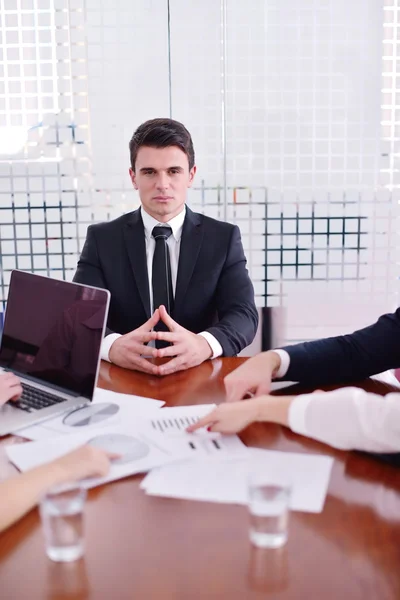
(249, 394)
(141, 350)
(170, 370)
(172, 366)
(263, 389)
(169, 322)
(235, 390)
(155, 317)
(143, 337)
(168, 336)
(136, 349)
(175, 350)
(141, 364)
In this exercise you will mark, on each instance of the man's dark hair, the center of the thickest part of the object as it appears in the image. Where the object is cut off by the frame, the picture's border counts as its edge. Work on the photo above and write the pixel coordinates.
(161, 133)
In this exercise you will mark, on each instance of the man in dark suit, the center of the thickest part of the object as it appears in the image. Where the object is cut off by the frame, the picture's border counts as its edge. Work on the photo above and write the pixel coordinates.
(177, 279)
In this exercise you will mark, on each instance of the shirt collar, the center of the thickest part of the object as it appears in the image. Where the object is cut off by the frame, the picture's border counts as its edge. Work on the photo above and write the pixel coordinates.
(176, 223)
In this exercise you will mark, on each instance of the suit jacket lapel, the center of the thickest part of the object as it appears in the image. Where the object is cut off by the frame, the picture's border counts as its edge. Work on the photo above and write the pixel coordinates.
(192, 236)
(136, 248)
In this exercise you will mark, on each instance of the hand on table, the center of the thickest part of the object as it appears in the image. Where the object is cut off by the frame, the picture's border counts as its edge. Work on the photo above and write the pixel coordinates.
(229, 418)
(254, 376)
(235, 416)
(85, 461)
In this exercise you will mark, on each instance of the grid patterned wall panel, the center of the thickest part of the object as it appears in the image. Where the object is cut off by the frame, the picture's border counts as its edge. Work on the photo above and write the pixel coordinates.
(303, 151)
(196, 98)
(44, 157)
(65, 175)
(128, 83)
(303, 124)
(28, 84)
(293, 107)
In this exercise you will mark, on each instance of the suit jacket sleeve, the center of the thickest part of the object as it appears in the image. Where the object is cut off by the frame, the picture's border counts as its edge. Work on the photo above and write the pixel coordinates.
(347, 357)
(390, 459)
(237, 313)
(89, 271)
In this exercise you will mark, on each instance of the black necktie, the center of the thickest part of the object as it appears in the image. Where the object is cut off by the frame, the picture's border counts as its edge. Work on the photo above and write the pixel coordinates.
(161, 277)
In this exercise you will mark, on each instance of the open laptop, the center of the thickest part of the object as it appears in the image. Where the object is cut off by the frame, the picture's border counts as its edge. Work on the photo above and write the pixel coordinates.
(51, 340)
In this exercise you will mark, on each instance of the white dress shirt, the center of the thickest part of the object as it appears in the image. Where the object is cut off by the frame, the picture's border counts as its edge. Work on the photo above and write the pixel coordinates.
(348, 418)
(174, 244)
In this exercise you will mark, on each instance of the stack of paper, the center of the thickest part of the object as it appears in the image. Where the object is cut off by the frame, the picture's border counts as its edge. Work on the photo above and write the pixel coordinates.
(136, 454)
(141, 444)
(227, 481)
(200, 466)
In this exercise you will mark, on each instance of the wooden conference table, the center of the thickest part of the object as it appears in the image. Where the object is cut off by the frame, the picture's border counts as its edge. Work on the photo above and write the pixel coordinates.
(150, 548)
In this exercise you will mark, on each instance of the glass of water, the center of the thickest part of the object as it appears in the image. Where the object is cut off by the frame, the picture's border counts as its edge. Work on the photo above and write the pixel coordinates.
(61, 511)
(269, 499)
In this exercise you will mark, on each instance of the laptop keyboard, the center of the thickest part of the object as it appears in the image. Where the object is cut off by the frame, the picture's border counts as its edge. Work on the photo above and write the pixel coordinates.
(34, 399)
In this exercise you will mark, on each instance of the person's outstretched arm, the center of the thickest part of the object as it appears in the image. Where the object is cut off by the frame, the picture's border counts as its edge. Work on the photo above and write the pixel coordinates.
(349, 418)
(341, 359)
(347, 358)
(22, 492)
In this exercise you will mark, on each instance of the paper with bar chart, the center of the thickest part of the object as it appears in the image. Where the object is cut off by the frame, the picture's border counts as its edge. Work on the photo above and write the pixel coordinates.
(167, 429)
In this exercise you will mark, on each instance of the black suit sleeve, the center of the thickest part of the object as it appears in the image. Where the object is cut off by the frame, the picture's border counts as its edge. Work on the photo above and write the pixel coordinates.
(89, 271)
(237, 313)
(390, 459)
(348, 357)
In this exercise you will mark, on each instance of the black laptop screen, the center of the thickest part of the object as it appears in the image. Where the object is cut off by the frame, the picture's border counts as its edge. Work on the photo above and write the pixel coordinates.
(53, 332)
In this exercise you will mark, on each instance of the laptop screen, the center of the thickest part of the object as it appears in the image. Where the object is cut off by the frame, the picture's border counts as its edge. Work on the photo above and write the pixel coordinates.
(53, 332)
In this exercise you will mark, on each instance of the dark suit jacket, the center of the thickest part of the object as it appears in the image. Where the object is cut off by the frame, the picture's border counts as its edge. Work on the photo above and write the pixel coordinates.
(213, 289)
(348, 358)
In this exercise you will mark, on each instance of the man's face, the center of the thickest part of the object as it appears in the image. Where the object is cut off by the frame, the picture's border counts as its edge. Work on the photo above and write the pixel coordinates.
(162, 177)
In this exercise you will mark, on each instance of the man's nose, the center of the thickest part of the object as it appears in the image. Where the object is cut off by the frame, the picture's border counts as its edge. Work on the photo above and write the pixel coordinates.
(162, 181)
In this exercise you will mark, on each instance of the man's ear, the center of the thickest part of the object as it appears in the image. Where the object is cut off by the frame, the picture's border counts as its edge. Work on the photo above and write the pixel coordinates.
(132, 175)
(192, 173)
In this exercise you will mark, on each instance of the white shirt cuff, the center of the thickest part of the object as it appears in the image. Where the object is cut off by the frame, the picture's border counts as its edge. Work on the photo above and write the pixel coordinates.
(214, 344)
(106, 345)
(285, 362)
(297, 413)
